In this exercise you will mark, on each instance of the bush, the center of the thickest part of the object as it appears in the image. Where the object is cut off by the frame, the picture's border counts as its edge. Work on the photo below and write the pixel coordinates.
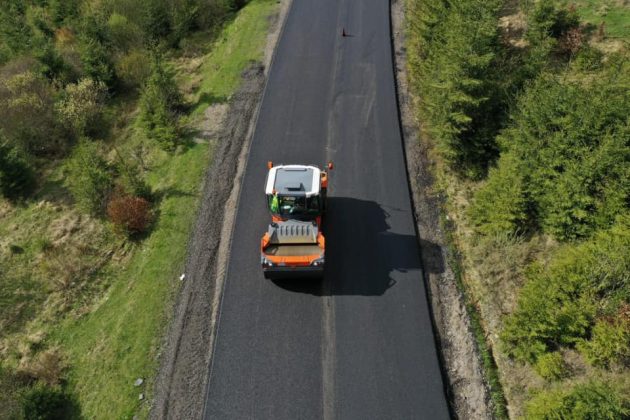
(133, 68)
(559, 303)
(572, 143)
(81, 108)
(16, 33)
(46, 403)
(97, 62)
(609, 344)
(155, 20)
(124, 34)
(596, 401)
(159, 103)
(16, 177)
(502, 204)
(589, 59)
(551, 366)
(96, 50)
(28, 119)
(89, 177)
(130, 214)
(130, 180)
(546, 21)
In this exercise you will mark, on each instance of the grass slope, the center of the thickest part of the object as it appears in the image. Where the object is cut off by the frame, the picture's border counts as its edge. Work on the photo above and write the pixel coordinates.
(117, 343)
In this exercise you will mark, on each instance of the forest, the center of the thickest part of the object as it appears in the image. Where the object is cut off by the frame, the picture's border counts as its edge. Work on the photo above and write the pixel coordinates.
(527, 107)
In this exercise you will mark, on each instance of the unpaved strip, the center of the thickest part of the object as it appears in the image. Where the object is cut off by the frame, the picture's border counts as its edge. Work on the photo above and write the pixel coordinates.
(187, 348)
(467, 387)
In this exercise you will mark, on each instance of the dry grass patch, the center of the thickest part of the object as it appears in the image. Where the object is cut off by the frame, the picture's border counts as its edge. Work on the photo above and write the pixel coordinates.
(46, 366)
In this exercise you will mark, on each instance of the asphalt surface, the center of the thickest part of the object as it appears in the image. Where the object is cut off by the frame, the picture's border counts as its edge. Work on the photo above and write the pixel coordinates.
(359, 344)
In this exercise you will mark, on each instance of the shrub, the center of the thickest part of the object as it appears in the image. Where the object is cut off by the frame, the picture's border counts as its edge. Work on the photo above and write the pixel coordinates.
(16, 176)
(81, 108)
(62, 11)
(502, 204)
(130, 179)
(130, 214)
(52, 64)
(97, 62)
(551, 366)
(183, 17)
(593, 400)
(124, 34)
(88, 177)
(589, 59)
(545, 21)
(95, 49)
(28, 120)
(155, 20)
(159, 103)
(43, 402)
(551, 312)
(559, 303)
(16, 33)
(572, 141)
(609, 344)
(133, 68)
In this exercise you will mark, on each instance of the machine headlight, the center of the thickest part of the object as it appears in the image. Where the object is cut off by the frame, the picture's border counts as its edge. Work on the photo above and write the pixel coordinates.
(265, 262)
(318, 262)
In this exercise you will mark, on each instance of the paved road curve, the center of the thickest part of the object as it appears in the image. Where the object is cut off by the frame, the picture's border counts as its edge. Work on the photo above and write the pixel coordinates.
(358, 345)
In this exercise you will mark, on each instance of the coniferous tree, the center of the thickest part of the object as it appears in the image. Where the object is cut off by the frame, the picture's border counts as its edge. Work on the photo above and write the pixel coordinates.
(16, 176)
(159, 104)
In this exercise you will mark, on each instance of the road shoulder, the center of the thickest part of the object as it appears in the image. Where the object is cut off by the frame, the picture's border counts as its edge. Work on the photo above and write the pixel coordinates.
(187, 348)
(466, 386)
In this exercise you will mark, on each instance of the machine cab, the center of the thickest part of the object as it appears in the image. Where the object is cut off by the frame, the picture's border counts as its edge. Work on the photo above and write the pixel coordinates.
(295, 192)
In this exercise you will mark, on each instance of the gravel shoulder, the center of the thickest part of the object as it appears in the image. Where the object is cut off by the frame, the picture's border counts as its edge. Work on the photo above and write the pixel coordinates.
(467, 388)
(187, 348)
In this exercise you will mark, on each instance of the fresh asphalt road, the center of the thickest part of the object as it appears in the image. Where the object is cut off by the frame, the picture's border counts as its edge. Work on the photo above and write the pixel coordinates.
(358, 345)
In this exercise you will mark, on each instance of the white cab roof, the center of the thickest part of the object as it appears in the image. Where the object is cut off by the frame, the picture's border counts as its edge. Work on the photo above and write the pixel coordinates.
(293, 180)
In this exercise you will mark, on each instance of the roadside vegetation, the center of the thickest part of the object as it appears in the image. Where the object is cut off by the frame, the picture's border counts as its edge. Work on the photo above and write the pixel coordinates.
(103, 147)
(526, 105)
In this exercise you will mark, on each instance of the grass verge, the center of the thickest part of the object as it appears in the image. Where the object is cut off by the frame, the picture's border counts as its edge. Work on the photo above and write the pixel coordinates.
(491, 371)
(241, 43)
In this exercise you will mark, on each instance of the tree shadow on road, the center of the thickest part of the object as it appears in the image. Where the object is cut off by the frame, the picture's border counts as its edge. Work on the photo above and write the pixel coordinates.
(363, 256)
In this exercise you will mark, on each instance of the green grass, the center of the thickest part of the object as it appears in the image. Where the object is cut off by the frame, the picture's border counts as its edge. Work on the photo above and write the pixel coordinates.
(116, 343)
(240, 44)
(614, 13)
(33, 237)
(21, 292)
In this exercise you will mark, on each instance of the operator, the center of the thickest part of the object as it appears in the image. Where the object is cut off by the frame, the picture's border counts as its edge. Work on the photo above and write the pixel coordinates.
(275, 206)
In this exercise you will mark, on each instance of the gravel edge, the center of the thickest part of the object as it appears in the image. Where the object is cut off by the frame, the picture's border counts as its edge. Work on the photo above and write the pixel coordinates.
(466, 386)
